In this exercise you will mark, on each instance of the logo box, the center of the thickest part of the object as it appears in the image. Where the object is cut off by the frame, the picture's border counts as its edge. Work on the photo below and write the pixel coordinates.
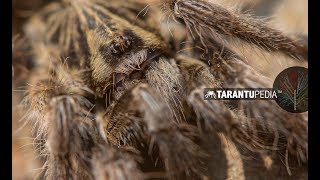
(240, 93)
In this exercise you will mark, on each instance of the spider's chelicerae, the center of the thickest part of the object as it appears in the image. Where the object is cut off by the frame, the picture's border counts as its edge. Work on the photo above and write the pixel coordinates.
(111, 96)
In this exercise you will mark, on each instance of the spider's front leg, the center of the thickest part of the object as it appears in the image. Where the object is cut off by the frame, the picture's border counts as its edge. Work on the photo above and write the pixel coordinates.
(141, 115)
(207, 17)
(64, 126)
(70, 143)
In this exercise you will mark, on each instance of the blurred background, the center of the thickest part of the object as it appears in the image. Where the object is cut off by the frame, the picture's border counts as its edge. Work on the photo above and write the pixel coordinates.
(290, 16)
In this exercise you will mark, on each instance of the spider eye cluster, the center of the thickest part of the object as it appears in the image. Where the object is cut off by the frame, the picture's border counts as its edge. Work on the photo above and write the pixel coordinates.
(120, 45)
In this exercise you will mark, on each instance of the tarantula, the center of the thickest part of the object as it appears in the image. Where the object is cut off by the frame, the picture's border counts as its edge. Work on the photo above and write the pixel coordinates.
(111, 97)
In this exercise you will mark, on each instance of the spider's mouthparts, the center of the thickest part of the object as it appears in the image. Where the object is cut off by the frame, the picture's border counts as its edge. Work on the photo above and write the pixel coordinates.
(152, 55)
(134, 65)
(135, 61)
